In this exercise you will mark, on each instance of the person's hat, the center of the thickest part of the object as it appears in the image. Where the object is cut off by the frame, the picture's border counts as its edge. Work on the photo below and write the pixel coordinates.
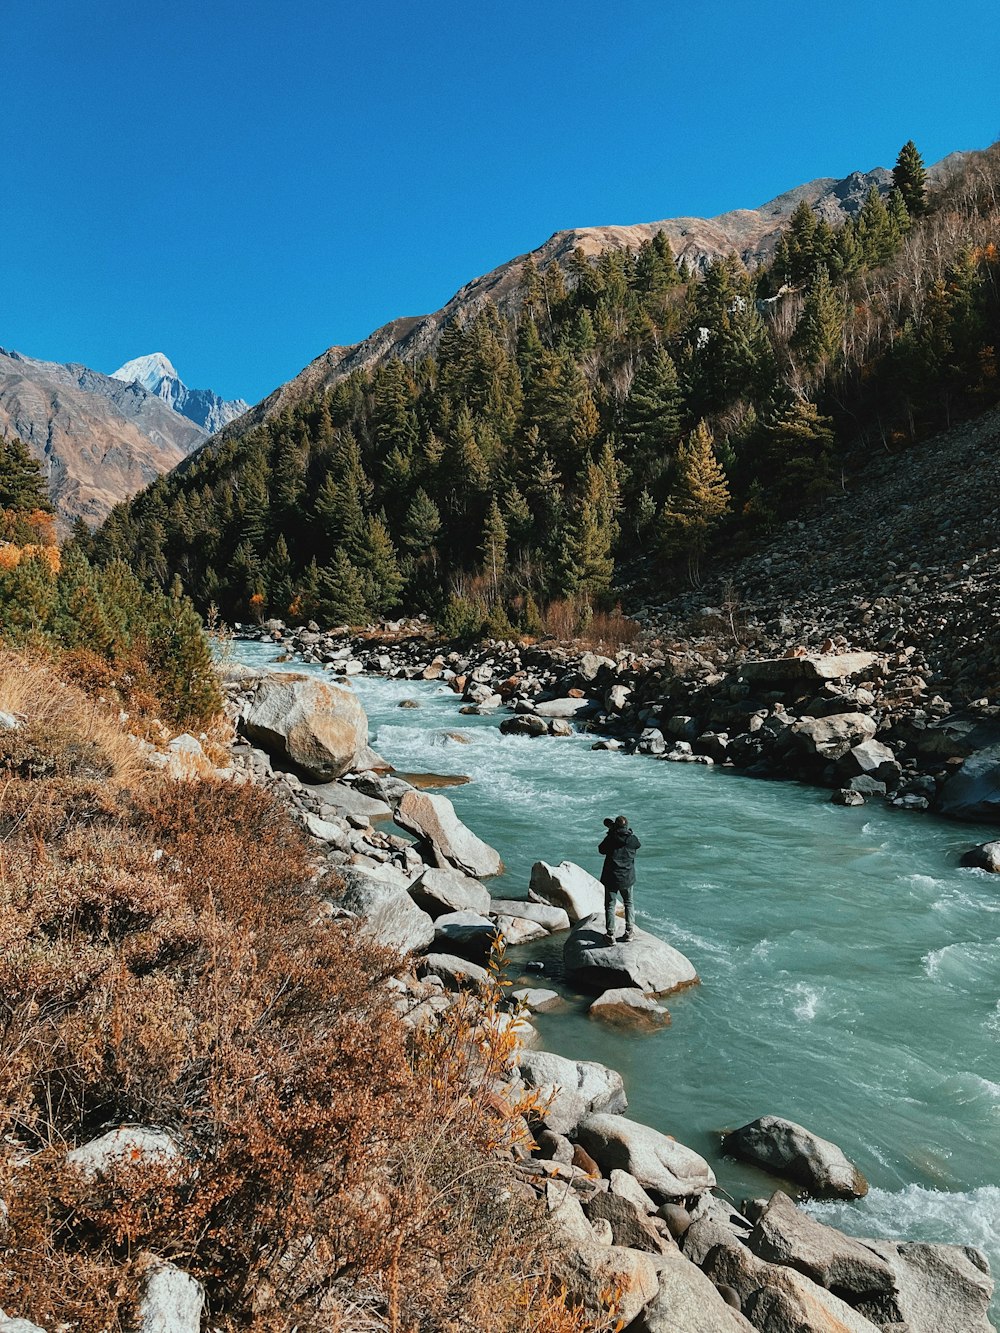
(621, 822)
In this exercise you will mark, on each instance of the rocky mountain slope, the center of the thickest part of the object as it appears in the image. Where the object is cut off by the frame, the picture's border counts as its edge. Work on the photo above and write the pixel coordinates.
(100, 439)
(202, 406)
(751, 232)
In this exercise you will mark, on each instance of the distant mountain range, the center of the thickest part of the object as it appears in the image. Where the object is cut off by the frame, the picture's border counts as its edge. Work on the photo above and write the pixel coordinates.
(100, 437)
(202, 406)
(103, 437)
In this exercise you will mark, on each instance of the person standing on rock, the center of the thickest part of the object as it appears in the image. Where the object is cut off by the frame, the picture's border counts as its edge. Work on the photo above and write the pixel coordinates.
(618, 876)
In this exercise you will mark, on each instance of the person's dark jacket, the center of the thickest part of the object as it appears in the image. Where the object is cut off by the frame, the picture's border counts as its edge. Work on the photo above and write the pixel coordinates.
(619, 848)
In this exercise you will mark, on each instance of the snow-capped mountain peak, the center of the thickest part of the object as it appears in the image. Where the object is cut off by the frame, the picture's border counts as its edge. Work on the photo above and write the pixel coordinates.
(156, 374)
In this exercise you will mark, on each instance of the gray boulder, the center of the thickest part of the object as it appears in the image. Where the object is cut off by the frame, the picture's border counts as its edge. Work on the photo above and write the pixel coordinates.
(565, 707)
(628, 1007)
(590, 1270)
(538, 1000)
(630, 1225)
(973, 792)
(687, 1302)
(8, 1324)
(822, 666)
(552, 918)
(519, 930)
(388, 913)
(439, 891)
(784, 1235)
(830, 738)
(662, 1166)
(568, 886)
(347, 800)
(939, 1288)
(645, 963)
(873, 760)
(984, 857)
(312, 724)
(172, 1301)
(571, 1089)
(432, 818)
(456, 973)
(465, 933)
(123, 1146)
(788, 1149)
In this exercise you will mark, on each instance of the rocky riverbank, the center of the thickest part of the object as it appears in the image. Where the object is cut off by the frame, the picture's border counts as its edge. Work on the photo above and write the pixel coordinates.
(865, 724)
(640, 1236)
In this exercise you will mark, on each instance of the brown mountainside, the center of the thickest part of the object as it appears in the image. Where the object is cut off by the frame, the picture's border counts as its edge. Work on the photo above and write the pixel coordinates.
(752, 233)
(99, 439)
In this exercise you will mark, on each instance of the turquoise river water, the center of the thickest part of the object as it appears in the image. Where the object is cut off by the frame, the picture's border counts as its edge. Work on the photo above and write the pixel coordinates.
(850, 971)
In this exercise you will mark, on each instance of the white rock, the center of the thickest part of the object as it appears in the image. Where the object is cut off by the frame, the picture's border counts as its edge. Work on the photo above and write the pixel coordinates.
(658, 1162)
(571, 1088)
(172, 1302)
(130, 1143)
(568, 886)
(432, 818)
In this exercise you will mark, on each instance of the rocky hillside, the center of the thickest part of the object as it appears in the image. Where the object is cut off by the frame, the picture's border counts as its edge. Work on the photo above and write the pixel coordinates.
(202, 406)
(99, 439)
(752, 233)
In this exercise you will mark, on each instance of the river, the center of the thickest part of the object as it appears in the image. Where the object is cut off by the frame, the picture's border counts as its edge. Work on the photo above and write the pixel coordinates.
(849, 967)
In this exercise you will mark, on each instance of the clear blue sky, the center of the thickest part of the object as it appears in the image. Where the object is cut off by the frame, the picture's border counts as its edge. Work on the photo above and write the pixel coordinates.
(242, 183)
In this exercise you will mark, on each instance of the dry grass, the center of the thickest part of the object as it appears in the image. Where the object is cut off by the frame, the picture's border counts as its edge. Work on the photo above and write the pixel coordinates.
(571, 621)
(163, 962)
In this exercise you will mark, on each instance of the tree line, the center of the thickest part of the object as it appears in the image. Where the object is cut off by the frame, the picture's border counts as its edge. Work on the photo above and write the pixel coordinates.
(624, 416)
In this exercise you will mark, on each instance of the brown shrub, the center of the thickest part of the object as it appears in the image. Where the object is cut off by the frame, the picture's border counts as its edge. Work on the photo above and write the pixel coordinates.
(162, 962)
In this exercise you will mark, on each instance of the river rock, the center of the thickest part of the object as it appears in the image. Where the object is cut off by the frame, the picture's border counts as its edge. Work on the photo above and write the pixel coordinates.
(172, 1301)
(568, 886)
(591, 665)
(781, 1300)
(784, 1235)
(519, 930)
(939, 1288)
(645, 963)
(790, 1150)
(130, 1143)
(312, 724)
(825, 666)
(538, 1000)
(565, 707)
(439, 891)
(661, 1165)
(566, 1214)
(973, 792)
(571, 1089)
(348, 800)
(629, 1007)
(830, 738)
(456, 973)
(464, 933)
(552, 918)
(524, 724)
(629, 1225)
(847, 796)
(432, 818)
(687, 1302)
(388, 913)
(984, 857)
(590, 1271)
(870, 759)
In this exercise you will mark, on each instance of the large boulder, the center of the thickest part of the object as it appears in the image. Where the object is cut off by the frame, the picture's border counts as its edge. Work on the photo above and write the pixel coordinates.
(629, 1007)
(784, 1235)
(870, 759)
(456, 973)
(552, 918)
(984, 857)
(662, 1166)
(565, 707)
(822, 666)
(172, 1301)
(781, 1300)
(312, 724)
(465, 933)
(388, 913)
(568, 1090)
(629, 1224)
(789, 1150)
(441, 891)
(939, 1288)
(432, 818)
(592, 1273)
(974, 791)
(568, 886)
(687, 1302)
(519, 930)
(830, 738)
(647, 963)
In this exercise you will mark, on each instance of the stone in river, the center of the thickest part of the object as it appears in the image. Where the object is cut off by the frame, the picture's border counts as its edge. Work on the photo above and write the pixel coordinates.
(565, 707)
(433, 819)
(456, 973)
(646, 963)
(552, 918)
(662, 1166)
(538, 1000)
(940, 1288)
(629, 1007)
(830, 738)
(568, 886)
(790, 1150)
(974, 791)
(984, 857)
(519, 930)
(440, 891)
(464, 933)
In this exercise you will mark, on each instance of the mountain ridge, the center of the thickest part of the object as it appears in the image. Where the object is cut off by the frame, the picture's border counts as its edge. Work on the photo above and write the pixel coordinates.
(156, 373)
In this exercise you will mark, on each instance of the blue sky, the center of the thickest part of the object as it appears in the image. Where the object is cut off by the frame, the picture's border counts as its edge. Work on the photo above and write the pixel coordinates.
(243, 183)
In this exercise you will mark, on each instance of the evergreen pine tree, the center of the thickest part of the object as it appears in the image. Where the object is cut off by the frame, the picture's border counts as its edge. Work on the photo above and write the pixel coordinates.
(819, 331)
(340, 594)
(22, 486)
(910, 179)
(381, 580)
(493, 548)
(700, 500)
